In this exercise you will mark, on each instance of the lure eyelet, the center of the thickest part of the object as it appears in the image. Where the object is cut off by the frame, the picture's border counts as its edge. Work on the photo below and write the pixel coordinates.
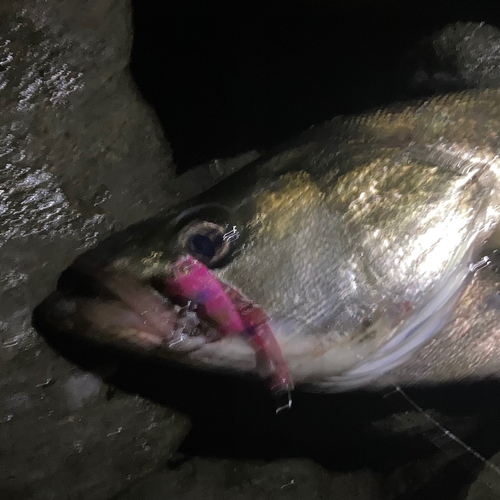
(185, 269)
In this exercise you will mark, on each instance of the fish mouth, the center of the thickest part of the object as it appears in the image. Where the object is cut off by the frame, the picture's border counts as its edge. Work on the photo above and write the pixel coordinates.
(190, 309)
(141, 313)
(113, 308)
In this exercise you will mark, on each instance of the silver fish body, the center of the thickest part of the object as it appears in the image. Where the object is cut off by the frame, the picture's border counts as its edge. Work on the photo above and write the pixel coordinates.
(357, 240)
(362, 243)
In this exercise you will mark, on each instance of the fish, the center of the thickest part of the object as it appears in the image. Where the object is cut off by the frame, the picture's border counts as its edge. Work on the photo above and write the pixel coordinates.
(353, 247)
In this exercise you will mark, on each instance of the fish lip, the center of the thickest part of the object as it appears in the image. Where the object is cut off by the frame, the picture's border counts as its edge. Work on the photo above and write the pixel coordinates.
(123, 301)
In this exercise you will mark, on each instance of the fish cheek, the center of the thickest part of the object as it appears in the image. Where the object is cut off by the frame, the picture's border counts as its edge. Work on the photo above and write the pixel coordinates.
(384, 320)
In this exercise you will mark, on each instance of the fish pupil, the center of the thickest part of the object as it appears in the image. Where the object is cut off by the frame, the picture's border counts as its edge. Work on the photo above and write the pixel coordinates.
(202, 244)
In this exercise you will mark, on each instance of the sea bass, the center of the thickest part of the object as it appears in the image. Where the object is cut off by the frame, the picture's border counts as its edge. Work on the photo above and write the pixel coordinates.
(352, 245)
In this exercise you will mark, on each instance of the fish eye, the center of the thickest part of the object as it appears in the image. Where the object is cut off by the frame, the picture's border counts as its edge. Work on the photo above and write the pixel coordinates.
(208, 242)
(204, 244)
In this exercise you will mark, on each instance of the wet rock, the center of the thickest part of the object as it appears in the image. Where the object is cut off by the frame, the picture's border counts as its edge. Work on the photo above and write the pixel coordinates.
(215, 479)
(486, 486)
(91, 450)
(80, 388)
(80, 155)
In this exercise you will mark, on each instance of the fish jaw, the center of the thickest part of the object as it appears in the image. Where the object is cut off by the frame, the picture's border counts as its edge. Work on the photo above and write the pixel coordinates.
(152, 320)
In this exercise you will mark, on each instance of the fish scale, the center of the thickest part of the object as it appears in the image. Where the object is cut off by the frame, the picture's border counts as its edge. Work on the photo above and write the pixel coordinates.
(386, 208)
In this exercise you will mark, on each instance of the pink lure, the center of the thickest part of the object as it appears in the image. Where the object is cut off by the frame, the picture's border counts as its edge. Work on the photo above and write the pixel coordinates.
(192, 281)
(230, 311)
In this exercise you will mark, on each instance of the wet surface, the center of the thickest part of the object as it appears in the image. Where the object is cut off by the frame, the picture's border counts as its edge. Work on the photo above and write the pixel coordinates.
(80, 155)
(228, 479)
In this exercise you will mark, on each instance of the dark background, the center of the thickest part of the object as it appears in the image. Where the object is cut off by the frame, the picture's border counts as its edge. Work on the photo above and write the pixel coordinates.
(228, 76)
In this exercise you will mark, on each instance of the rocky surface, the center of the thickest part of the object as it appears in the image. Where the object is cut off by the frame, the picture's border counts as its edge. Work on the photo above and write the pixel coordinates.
(213, 479)
(487, 484)
(80, 155)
